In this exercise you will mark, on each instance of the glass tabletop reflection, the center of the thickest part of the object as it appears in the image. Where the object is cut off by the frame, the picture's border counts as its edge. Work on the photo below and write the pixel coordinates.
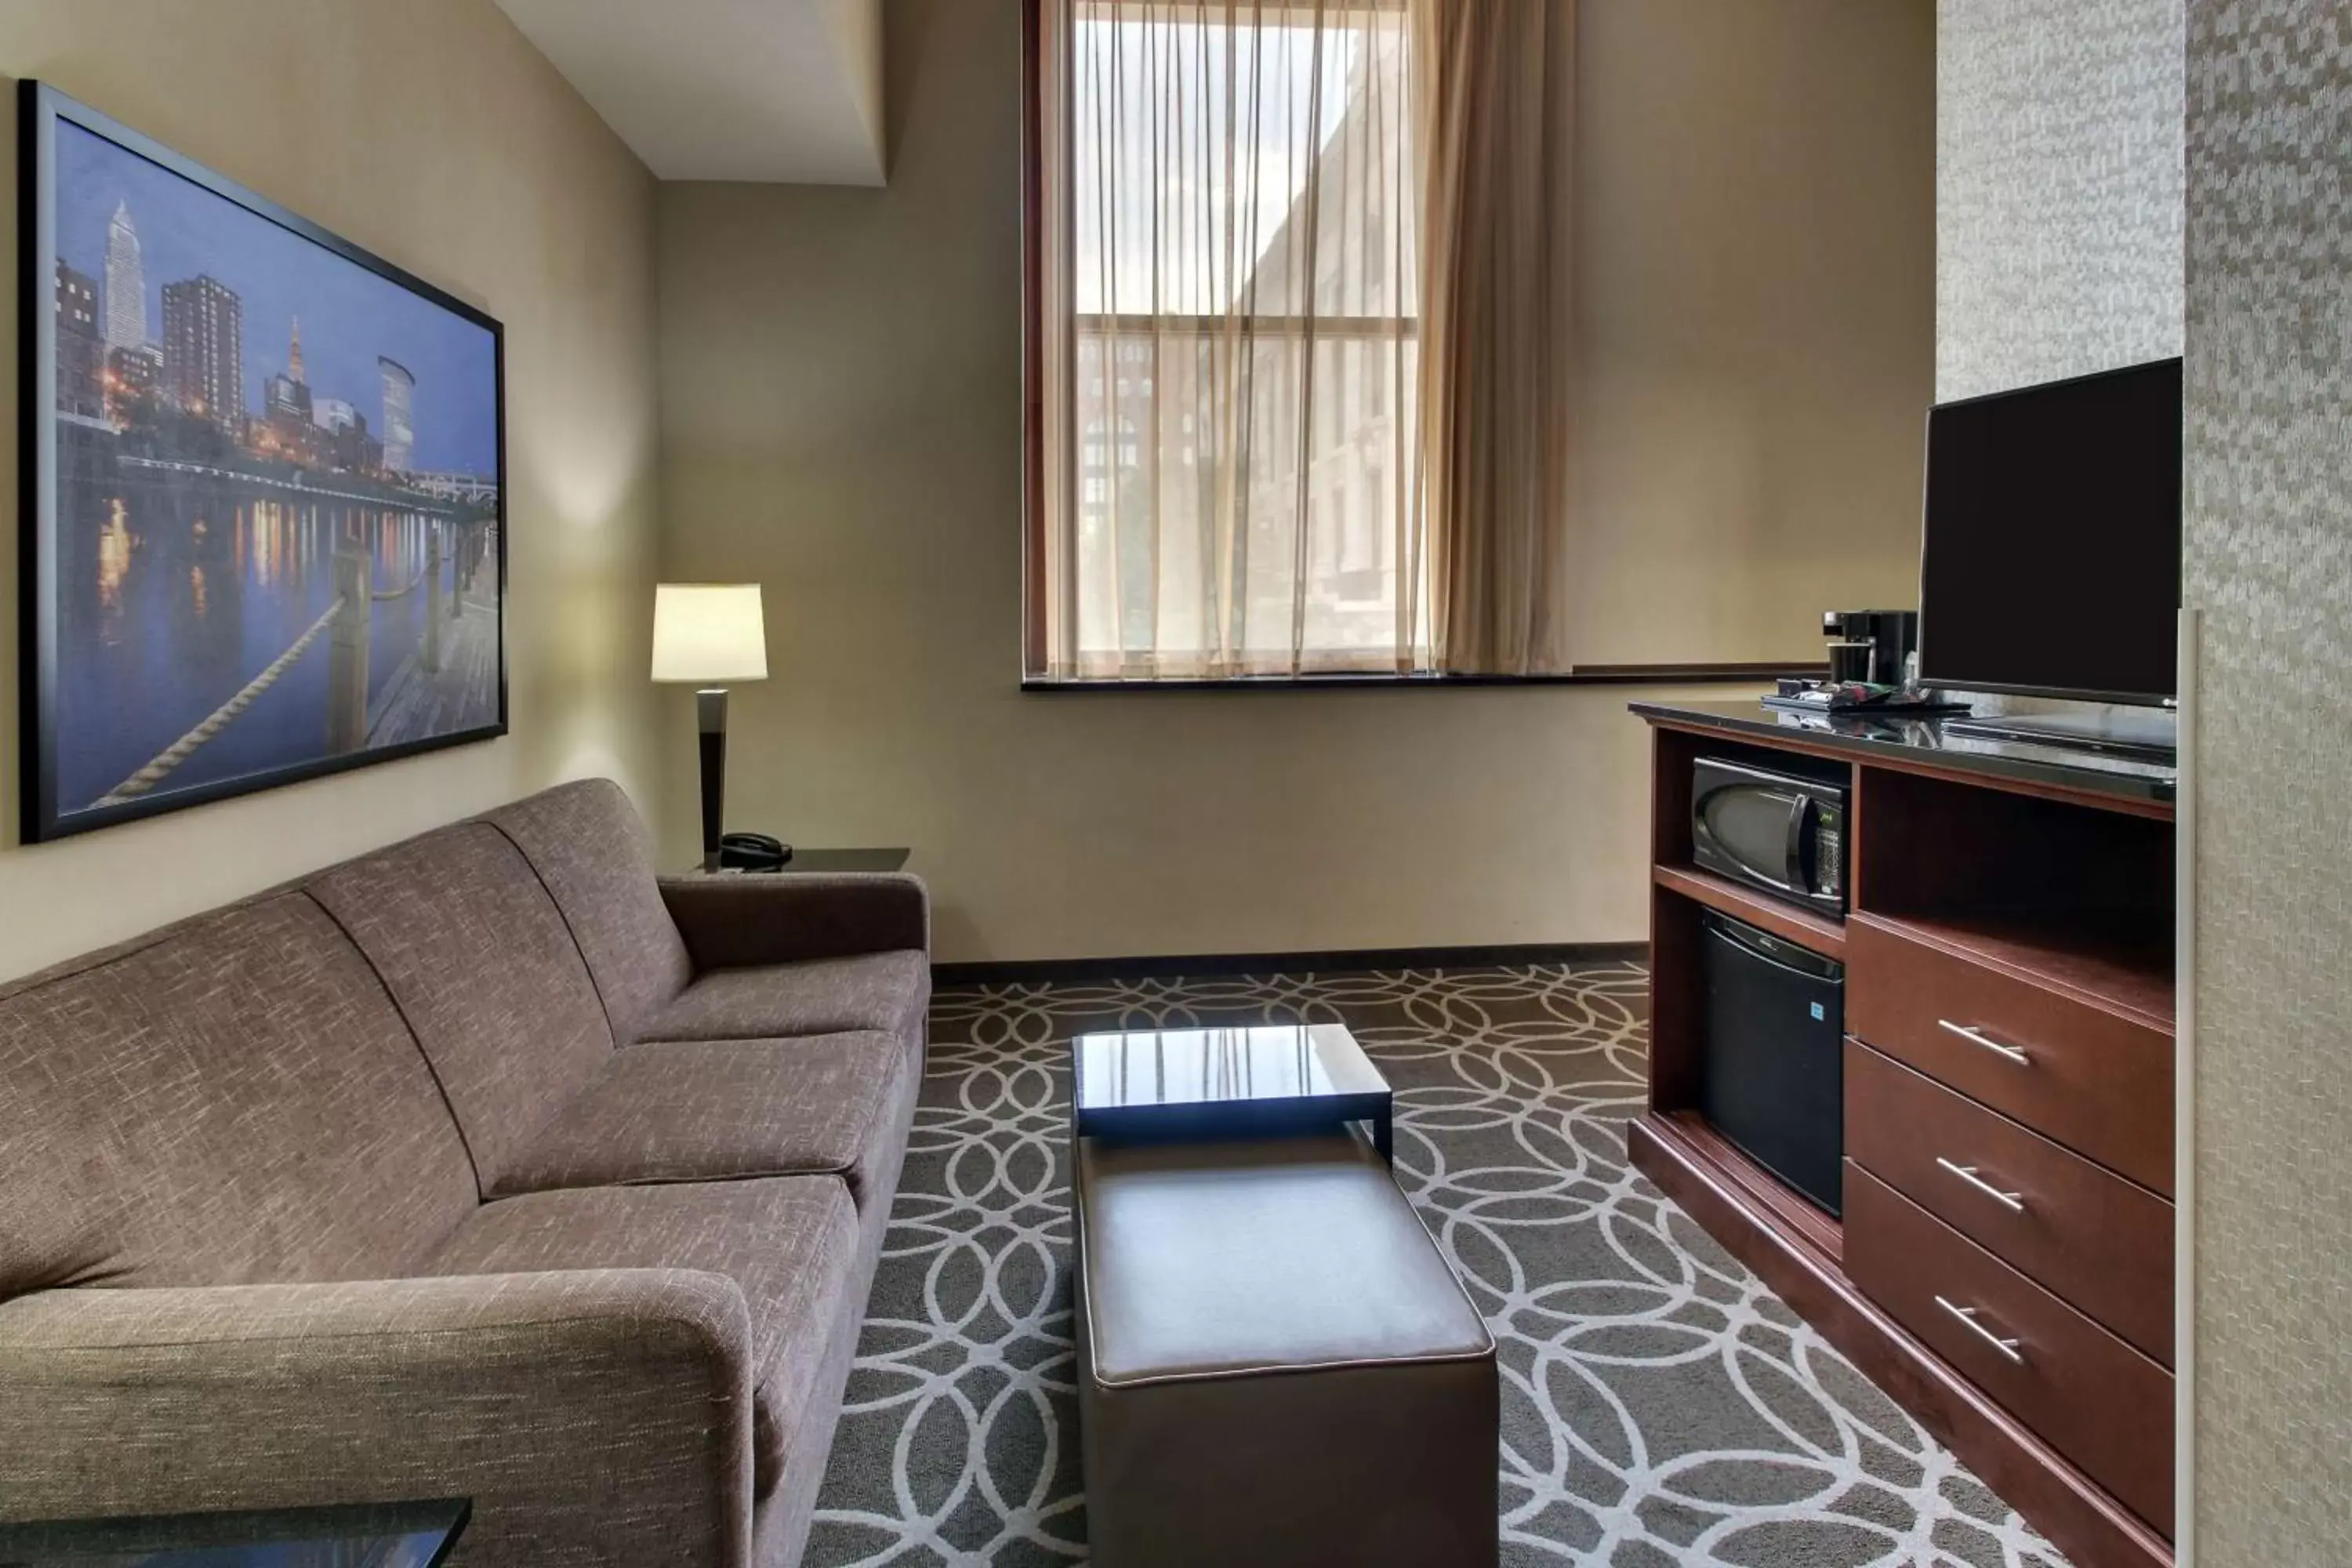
(365, 1535)
(1207, 1067)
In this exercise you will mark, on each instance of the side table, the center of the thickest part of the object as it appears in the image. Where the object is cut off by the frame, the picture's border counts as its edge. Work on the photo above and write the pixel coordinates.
(814, 862)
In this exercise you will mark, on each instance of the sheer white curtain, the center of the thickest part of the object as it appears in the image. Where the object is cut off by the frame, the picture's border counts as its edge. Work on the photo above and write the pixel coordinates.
(1230, 385)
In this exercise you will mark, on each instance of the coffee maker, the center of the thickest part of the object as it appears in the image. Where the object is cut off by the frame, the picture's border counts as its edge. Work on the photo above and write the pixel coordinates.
(1870, 669)
(1871, 647)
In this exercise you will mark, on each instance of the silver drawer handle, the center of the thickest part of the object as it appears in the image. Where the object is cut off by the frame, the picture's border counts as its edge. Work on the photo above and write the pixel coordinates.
(2014, 1202)
(1978, 1037)
(1968, 1315)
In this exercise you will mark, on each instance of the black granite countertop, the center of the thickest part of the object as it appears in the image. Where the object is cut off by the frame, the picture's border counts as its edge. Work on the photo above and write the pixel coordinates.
(1867, 736)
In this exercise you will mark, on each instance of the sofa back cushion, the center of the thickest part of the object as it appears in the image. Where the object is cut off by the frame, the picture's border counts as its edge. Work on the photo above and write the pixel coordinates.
(235, 1100)
(482, 965)
(590, 847)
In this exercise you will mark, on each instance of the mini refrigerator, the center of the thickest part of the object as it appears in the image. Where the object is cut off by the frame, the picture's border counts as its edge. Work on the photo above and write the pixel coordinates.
(1772, 1072)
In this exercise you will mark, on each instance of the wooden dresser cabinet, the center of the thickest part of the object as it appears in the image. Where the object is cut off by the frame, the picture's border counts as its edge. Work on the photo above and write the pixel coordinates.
(2002, 1262)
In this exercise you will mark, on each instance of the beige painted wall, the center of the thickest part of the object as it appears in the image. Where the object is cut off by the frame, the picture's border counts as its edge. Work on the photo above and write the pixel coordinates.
(431, 133)
(840, 421)
(1756, 228)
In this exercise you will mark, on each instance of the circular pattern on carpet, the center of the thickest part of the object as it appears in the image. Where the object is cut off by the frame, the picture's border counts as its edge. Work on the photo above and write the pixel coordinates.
(1660, 1405)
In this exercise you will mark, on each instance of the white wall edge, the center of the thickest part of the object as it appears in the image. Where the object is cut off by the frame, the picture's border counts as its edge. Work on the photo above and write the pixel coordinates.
(2184, 1110)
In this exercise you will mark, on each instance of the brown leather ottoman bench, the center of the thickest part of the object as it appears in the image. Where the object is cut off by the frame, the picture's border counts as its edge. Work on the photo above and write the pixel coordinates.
(1276, 1364)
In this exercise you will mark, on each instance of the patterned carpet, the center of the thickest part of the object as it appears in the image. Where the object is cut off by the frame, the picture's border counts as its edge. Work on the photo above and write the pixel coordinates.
(1659, 1405)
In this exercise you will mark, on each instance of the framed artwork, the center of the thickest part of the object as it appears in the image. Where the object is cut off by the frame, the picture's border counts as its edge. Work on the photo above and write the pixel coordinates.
(263, 524)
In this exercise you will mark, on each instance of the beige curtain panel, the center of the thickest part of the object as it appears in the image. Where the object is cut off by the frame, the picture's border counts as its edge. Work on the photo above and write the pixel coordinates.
(1499, 81)
(1238, 477)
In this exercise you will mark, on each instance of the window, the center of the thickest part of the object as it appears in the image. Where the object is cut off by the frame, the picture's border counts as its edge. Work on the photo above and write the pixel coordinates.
(1226, 294)
(1361, 537)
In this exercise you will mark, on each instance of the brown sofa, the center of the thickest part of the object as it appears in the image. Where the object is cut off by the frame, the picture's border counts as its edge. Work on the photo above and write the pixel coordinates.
(491, 1165)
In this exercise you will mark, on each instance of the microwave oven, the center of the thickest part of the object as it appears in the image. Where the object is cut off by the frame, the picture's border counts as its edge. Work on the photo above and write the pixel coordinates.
(1779, 832)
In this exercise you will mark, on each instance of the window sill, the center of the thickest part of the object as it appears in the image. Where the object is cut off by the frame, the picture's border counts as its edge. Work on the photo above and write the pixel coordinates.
(1587, 675)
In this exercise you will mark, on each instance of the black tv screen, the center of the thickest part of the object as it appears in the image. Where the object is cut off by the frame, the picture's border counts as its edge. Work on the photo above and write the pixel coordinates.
(2052, 558)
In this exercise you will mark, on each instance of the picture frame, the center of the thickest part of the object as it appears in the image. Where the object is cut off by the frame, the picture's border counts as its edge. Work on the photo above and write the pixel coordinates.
(239, 569)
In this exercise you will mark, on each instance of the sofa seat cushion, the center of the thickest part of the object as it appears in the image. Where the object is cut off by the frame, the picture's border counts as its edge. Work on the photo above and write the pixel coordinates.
(790, 1243)
(716, 1111)
(886, 991)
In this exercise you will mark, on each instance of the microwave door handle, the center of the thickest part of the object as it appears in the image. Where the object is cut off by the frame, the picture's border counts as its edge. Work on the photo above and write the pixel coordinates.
(1801, 813)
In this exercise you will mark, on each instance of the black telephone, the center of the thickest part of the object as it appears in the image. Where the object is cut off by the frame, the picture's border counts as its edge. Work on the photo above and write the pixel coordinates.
(752, 852)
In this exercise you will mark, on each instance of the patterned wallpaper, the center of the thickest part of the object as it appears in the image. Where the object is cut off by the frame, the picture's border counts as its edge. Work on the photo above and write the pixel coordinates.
(2057, 189)
(2058, 198)
(2270, 565)
(2064, 224)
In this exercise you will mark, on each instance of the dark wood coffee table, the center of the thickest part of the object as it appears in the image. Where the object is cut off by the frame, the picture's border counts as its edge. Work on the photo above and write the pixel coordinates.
(1227, 1083)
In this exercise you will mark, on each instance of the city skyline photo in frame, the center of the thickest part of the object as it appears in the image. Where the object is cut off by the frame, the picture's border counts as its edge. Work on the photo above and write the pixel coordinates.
(263, 522)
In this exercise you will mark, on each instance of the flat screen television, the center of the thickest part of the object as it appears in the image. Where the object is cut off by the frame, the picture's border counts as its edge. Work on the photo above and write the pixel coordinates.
(2052, 564)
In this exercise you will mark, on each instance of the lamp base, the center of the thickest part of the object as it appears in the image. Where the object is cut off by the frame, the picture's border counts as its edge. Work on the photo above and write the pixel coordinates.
(711, 720)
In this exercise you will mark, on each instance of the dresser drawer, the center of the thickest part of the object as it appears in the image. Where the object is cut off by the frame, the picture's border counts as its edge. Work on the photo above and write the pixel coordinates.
(2097, 1081)
(2099, 1243)
(2088, 1395)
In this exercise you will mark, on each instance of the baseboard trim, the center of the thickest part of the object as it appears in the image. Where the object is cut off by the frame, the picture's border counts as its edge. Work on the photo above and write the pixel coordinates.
(1047, 970)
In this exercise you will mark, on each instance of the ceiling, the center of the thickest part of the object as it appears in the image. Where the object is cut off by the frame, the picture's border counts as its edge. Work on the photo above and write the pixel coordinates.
(781, 90)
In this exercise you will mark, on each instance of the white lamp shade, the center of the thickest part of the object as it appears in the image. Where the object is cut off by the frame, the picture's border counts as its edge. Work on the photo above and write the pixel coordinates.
(707, 634)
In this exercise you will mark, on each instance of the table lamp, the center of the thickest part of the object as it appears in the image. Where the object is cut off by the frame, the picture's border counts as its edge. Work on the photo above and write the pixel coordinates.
(705, 635)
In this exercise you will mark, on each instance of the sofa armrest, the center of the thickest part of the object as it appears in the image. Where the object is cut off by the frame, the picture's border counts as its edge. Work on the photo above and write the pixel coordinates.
(733, 923)
(599, 1416)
